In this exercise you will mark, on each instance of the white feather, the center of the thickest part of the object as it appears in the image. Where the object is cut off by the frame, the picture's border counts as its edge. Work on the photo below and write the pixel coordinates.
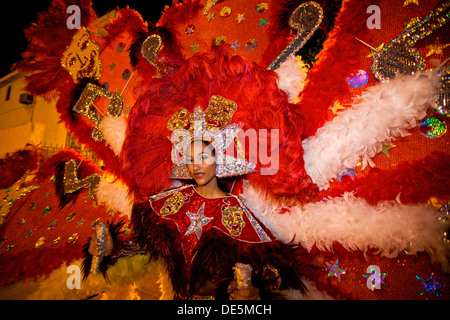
(389, 227)
(114, 195)
(383, 113)
(113, 129)
(291, 76)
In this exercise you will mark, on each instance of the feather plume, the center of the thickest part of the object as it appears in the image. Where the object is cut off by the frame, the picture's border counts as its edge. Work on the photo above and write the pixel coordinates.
(291, 76)
(389, 226)
(114, 195)
(113, 129)
(384, 112)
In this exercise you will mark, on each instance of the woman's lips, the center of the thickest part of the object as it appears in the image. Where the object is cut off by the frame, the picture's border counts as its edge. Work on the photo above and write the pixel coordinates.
(198, 175)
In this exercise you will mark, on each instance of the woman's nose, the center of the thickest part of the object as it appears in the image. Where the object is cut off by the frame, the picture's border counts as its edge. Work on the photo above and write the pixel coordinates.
(197, 166)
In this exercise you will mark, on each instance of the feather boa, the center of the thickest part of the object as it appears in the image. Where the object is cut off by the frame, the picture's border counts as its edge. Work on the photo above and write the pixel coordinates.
(389, 226)
(113, 129)
(384, 112)
(291, 77)
(114, 195)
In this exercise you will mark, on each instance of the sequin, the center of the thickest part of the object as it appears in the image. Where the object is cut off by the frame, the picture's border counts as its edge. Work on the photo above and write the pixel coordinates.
(208, 6)
(431, 285)
(96, 222)
(56, 241)
(305, 19)
(399, 54)
(219, 40)
(233, 220)
(358, 79)
(225, 12)
(126, 74)
(173, 204)
(70, 216)
(120, 46)
(32, 206)
(80, 222)
(263, 22)
(150, 48)
(40, 242)
(251, 44)
(47, 210)
(12, 196)
(334, 270)
(442, 102)
(433, 128)
(29, 233)
(73, 238)
(198, 221)
(262, 7)
(190, 29)
(52, 225)
(72, 183)
(82, 57)
(85, 104)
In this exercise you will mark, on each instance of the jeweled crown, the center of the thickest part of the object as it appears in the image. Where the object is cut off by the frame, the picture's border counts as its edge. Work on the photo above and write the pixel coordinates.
(215, 126)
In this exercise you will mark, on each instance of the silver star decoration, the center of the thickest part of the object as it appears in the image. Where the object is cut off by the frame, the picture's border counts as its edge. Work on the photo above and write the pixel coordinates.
(198, 221)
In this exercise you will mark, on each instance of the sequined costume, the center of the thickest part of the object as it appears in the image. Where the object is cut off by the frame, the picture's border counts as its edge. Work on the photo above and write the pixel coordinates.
(201, 239)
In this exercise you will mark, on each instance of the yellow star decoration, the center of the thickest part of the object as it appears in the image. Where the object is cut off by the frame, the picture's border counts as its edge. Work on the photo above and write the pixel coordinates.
(337, 106)
(386, 148)
(436, 48)
(378, 49)
(408, 2)
(240, 17)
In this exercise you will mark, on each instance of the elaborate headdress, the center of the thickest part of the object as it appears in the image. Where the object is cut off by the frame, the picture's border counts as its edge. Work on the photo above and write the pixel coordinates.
(215, 126)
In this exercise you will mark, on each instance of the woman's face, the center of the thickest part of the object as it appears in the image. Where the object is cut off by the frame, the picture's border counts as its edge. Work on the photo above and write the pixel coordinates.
(201, 162)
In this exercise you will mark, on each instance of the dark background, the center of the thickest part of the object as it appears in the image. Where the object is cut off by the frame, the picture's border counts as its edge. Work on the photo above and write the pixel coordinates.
(16, 15)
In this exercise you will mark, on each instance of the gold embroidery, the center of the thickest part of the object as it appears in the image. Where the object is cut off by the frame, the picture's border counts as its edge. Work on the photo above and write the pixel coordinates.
(173, 204)
(233, 220)
(82, 57)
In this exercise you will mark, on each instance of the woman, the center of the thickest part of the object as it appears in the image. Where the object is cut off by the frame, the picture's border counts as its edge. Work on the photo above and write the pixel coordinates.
(201, 231)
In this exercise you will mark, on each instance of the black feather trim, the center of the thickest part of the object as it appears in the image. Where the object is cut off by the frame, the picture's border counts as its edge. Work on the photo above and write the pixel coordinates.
(217, 253)
(107, 261)
(160, 239)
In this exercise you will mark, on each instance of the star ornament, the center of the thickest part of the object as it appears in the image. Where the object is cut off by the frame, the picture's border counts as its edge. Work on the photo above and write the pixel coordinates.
(386, 149)
(431, 285)
(336, 106)
(334, 270)
(263, 22)
(240, 17)
(198, 221)
(436, 48)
